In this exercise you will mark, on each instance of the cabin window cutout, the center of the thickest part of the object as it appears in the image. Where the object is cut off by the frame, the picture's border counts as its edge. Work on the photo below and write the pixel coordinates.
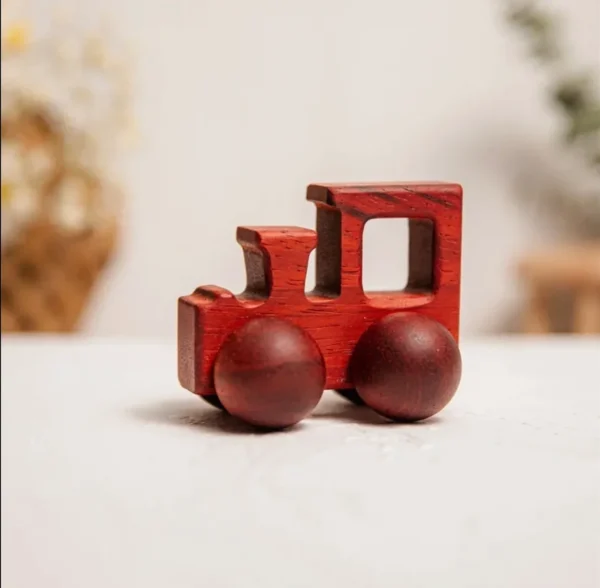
(385, 255)
(398, 255)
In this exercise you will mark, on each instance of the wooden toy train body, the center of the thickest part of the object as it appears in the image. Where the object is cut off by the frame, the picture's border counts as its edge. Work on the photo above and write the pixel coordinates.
(338, 311)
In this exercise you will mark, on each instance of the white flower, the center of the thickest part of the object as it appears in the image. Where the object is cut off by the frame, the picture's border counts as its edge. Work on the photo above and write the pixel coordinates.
(80, 80)
(70, 211)
(17, 211)
(13, 164)
(40, 164)
(95, 53)
(20, 200)
(68, 52)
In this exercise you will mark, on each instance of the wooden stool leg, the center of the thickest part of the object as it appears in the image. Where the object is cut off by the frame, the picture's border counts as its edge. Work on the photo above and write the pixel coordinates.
(537, 313)
(586, 318)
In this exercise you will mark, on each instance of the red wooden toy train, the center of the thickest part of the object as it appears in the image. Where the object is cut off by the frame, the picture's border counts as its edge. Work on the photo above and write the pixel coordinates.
(268, 354)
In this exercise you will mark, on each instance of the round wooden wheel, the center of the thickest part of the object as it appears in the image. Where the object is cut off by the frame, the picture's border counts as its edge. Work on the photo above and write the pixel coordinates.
(406, 367)
(270, 373)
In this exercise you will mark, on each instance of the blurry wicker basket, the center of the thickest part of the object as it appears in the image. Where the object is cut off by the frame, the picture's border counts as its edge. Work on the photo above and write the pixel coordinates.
(48, 276)
(49, 265)
(65, 109)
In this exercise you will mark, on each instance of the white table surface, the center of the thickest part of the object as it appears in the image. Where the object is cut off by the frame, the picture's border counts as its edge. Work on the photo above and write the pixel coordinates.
(113, 476)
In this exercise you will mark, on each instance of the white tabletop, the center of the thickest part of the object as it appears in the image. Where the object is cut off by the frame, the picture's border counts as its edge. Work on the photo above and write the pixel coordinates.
(113, 476)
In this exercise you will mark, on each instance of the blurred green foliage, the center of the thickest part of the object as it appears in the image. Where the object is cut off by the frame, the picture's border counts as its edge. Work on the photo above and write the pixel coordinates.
(573, 92)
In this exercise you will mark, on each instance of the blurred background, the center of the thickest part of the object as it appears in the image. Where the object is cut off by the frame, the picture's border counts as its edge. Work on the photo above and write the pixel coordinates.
(136, 135)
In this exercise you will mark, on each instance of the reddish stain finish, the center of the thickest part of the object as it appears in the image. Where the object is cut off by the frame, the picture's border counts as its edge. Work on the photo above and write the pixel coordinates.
(269, 373)
(406, 367)
(338, 311)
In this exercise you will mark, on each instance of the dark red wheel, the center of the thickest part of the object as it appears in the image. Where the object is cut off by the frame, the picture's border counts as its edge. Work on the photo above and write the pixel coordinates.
(406, 367)
(270, 373)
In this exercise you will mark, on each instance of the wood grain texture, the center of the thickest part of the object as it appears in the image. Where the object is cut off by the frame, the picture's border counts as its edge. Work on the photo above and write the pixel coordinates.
(338, 311)
(406, 367)
(270, 373)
